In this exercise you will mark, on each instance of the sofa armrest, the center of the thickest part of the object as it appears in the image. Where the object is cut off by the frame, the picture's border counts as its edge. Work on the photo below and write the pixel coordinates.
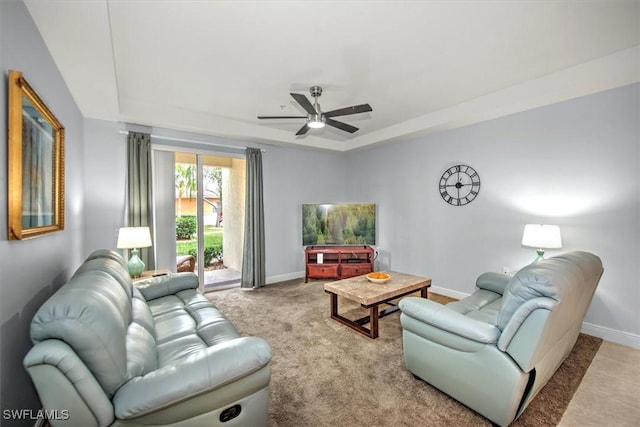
(64, 382)
(521, 314)
(198, 373)
(442, 317)
(157, 287)
(495, 282)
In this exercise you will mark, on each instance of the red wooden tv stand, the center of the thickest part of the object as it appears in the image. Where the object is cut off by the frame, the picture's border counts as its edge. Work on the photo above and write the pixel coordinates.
(337, 262)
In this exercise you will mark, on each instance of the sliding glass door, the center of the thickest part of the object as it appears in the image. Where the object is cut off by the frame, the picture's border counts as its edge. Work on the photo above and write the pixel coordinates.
(209, 212)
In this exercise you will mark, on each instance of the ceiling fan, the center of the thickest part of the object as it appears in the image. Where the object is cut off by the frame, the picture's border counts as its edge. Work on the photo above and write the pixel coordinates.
(316, 119)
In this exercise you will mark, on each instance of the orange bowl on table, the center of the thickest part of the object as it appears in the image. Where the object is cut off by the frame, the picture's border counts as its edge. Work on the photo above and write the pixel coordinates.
(378, 277)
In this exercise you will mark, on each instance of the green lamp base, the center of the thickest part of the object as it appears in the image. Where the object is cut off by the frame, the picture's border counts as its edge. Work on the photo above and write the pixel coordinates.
(539, 258)
(136, 266)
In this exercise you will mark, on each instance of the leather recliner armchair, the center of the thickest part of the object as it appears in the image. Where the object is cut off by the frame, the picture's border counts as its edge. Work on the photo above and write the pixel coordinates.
(494, 350)
(107, 352)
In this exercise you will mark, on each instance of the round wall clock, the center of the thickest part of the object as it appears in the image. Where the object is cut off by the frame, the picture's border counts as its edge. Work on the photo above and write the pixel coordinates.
(459, 185)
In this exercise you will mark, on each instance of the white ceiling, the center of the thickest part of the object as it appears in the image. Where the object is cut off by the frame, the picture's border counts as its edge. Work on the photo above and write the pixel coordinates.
(211, 67)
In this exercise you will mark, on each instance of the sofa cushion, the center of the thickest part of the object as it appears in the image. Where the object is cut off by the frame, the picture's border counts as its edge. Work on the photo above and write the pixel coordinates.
(109, 254)
(186, 323)
(173, 325)
(482, 305)
(113, 268)
(141, 314)
(142, 355)
(179, 349)
(556, 278)
(212, 327)
(91, 313)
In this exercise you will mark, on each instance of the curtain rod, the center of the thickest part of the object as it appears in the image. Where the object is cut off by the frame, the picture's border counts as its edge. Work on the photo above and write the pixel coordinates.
(169, 138)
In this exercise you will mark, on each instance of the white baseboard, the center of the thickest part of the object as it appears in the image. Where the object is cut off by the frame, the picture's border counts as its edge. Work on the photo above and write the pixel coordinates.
(448, 292)
(619, 337)
(284, 277)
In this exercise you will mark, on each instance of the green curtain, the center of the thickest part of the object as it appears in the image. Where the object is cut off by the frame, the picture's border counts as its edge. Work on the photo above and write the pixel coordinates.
(253, 264)
(139, 193)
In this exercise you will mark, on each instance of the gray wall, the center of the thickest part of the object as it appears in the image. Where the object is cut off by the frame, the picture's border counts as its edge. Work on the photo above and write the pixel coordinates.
(294, 176)
(104, 183)
(31, 270)
(575, 164)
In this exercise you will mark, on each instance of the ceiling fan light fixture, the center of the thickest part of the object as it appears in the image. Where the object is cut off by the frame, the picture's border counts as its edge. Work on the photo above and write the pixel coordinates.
(315, 118)
(316, 121)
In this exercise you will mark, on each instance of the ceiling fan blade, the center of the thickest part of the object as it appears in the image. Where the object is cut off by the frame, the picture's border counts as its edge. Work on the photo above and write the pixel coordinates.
(304, 103)
(282, 117)
(304, 129)
(345, 127)
(362, 108)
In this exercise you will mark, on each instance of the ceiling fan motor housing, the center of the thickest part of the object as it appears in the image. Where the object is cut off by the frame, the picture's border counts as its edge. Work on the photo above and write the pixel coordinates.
(315, 91)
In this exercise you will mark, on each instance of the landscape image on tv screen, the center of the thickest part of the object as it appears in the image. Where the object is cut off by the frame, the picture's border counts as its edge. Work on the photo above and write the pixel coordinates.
(339, 224)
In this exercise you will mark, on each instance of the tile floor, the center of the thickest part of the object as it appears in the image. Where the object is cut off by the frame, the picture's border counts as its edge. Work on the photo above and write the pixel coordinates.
(215, 280)
(609, 394)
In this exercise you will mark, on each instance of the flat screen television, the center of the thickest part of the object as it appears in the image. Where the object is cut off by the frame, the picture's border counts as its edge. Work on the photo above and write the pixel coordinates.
(339, 224)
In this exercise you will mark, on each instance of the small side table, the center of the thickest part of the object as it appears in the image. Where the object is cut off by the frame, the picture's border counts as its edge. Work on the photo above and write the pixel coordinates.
(151, 273)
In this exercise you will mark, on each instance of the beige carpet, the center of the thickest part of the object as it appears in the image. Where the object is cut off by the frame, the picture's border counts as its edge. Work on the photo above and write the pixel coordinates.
(325, 374)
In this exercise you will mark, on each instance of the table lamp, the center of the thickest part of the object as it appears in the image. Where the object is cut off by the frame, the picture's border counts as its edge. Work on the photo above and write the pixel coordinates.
(543, 237)
(134, 238)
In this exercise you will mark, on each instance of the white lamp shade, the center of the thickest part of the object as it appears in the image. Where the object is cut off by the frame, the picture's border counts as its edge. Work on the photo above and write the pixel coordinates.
(134, 237)
(542, 236)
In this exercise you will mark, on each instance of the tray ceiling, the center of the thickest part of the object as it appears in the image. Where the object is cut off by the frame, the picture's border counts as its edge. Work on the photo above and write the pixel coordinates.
(211, 67)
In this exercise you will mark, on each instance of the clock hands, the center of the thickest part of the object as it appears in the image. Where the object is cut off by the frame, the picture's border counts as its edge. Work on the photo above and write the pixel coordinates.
(458, 185)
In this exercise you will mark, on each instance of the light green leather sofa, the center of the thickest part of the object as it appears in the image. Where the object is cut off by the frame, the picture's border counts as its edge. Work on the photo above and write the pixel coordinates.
(494, 350)
(107, 352)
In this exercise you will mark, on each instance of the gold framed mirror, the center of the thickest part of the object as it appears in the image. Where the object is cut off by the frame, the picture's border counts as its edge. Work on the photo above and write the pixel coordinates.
(35, 158)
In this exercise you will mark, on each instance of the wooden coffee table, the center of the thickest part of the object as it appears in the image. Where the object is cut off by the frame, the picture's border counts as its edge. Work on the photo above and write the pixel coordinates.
(371, 295)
